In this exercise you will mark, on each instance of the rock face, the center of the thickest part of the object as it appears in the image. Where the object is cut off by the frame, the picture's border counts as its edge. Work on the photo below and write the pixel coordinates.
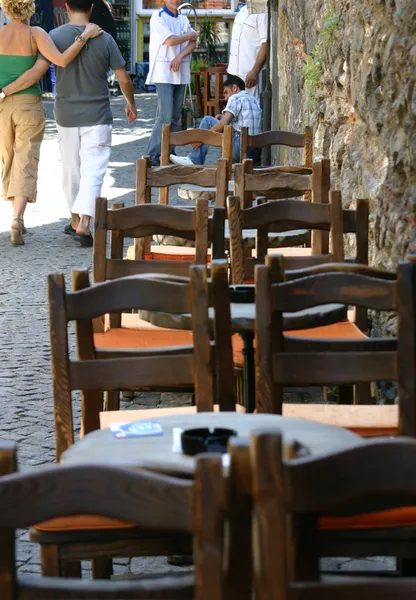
(363, 108)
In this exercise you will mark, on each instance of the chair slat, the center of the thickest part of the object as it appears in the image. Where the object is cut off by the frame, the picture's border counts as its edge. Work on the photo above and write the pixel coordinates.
(133, 373)
(160, 177)
(148, 215)
(343, 288)
(155, 502)
(297, 214)
(334, 368)
(136, 291)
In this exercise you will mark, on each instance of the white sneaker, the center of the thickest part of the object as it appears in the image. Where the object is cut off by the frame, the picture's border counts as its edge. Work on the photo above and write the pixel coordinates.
(184, 161)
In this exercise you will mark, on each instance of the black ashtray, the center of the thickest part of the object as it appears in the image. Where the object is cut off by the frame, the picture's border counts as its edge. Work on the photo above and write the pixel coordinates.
(195, 441)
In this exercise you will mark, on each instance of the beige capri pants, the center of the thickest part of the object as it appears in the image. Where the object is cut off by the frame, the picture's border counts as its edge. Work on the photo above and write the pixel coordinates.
(22, 125)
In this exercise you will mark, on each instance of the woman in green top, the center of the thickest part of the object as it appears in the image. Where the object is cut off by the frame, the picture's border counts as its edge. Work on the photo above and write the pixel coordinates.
(22, 119)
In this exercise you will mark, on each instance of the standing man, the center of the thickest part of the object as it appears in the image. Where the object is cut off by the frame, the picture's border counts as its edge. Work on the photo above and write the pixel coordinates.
(248, 49)
(83, 115)
(172, 41)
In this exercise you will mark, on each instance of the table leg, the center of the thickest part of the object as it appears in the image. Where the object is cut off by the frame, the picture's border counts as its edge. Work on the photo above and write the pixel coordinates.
(248, 372)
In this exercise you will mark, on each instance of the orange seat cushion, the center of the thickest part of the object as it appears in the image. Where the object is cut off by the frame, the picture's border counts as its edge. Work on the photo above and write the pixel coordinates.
(142, 338)
(342, 330)
(82, 522)
(397, 517)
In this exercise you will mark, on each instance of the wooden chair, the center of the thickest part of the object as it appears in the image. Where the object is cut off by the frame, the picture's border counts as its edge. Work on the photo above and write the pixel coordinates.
(314, 357)
(281, 182)
(279, 138)
(204, 136)
(286, 215)
(213, 105)
(294, 499)
(211, 138)
(153, 503)
(143, 221)
(205, 366)
(163, 178)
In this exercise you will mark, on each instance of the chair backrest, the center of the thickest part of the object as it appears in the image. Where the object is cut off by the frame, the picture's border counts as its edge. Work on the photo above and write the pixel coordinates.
(279, 138)
(338, 362)
(291, 496)
(279, 216)
(204, 366)
(203, 136)
(154, 502)
(272, 182)
(141, 222)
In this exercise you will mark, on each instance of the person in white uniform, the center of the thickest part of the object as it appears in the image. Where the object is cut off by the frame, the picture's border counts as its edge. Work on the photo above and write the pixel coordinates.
(248, 48)
(172, 40)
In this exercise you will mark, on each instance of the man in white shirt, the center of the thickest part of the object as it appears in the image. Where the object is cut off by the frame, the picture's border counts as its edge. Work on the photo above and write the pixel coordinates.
(248, 48)
(171, 43)
(242, 110)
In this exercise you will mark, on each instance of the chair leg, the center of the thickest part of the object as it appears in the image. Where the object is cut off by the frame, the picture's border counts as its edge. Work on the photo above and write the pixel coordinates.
(112, 400)
(50, 564)
(362, 393)
(102, 568)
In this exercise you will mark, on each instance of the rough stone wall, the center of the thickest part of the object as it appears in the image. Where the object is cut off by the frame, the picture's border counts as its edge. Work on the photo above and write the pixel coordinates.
(364, 117)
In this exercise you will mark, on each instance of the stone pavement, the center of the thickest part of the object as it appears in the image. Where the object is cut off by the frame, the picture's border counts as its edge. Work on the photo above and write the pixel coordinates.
(26, 405)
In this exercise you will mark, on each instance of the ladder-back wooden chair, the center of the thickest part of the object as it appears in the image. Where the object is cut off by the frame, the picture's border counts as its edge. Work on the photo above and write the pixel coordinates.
(143, 221)
(190, 136)
(124, 361)
(138, 222)
(295, 500)
(330, 355)
(148, 177)
(142, 500)
(213, 105)
(285, 215)
(205, 366)
(279, 138)
(274, 183)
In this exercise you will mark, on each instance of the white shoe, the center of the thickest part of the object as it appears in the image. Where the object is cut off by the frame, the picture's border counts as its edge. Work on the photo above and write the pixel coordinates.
(183, 161)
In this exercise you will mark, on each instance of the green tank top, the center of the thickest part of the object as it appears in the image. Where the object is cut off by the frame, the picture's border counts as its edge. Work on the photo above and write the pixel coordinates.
(12, 66)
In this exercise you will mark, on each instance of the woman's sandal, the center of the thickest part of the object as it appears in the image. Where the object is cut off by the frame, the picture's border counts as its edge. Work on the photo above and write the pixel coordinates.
(16, 235)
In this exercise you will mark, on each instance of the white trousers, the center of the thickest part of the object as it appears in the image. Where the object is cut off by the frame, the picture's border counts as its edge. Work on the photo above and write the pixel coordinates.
(85, 152)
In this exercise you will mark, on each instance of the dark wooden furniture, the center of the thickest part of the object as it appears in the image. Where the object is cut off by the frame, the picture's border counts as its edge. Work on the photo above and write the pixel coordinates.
(114, 366)
(162, 178)
(283, 215)
(204, 366)
(156, 453)
(153, 503)
(274, 182)
(305, 360)
(292, 500)
(214, 104)
(141, 222)
(279, 138)
(203, 136)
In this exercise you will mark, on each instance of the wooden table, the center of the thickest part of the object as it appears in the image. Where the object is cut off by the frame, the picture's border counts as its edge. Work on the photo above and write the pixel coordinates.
(155, 453)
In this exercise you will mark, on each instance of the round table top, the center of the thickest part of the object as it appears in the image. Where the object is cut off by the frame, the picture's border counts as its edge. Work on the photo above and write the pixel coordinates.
(155, 453)
(243, 317)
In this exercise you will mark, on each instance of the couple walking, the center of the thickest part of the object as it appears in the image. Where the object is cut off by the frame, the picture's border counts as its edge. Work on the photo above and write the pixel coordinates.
(83, 55)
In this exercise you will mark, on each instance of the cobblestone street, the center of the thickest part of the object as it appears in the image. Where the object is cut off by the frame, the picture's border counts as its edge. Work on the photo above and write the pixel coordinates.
(26, 403)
